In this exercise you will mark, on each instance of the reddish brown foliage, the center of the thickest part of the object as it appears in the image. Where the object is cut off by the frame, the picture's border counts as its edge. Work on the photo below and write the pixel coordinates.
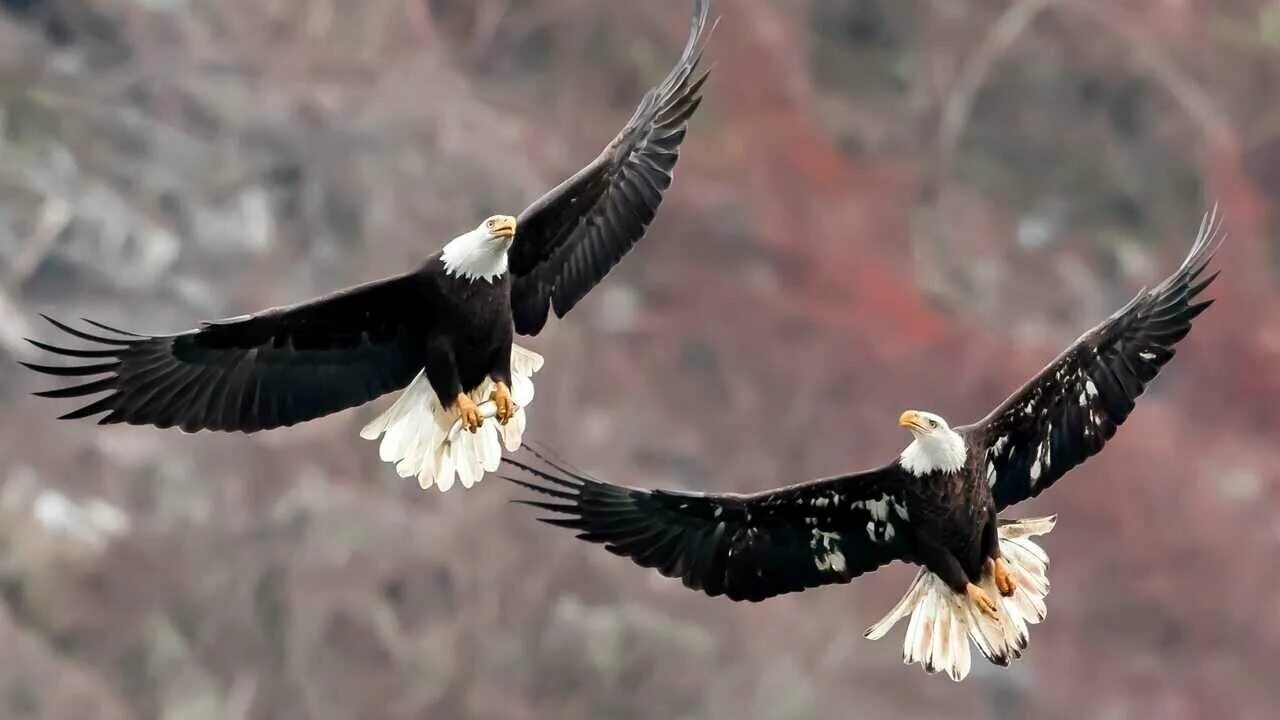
(827, 257)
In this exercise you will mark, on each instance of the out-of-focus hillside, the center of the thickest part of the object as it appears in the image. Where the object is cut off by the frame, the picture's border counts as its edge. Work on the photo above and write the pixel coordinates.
(881, 205)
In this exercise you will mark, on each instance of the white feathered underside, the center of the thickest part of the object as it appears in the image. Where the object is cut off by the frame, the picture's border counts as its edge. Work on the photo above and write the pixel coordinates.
(942, 622)
(426, 441)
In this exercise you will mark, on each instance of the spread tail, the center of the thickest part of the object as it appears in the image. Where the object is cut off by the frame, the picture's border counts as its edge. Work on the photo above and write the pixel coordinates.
(941, 619)
(425, 440)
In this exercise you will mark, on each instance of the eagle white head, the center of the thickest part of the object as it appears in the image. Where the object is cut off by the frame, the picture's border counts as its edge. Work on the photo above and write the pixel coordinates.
(482, 253)
(935, 447)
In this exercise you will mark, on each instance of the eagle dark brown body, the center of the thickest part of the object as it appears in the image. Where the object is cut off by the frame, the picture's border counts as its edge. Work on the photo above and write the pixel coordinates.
(472, 338)
(954, 521)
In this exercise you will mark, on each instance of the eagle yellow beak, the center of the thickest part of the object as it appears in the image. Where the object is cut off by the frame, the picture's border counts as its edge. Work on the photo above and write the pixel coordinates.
(504, 227)
(911, 420)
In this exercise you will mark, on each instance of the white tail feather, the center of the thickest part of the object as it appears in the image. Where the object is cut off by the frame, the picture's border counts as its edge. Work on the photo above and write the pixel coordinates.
(425, 440)
(941, 619)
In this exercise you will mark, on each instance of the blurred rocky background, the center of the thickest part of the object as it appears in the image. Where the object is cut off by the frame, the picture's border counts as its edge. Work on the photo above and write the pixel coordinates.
(883, 204)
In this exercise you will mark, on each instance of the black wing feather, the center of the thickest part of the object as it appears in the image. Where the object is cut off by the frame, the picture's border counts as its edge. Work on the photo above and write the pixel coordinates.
(1067, 413)
(569, 239)
(747, 547)
(278, 367)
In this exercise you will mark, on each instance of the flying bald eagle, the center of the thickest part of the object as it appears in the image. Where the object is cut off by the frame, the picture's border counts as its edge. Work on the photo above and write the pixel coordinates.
(935, 505)
(444, 329)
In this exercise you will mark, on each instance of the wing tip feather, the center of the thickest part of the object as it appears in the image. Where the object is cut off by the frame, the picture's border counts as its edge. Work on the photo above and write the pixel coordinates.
(85, 335)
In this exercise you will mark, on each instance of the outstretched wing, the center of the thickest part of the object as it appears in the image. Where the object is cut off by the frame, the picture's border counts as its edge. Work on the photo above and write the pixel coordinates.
(278, 367)
(748, 547)
(1067, 413)
(569, 239)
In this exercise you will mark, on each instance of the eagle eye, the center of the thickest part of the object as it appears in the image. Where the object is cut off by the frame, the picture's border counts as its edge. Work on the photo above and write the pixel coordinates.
(933, 423)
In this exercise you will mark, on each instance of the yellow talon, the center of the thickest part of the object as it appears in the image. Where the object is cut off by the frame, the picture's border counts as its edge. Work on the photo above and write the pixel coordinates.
(469, 413)
(980, 598)
(502, 398)
(1004, 581)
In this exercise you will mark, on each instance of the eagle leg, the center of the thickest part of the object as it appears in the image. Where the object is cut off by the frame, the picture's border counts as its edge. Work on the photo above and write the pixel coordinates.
(979, 597)
(469, 413)
(1004, 580)
(501, 397)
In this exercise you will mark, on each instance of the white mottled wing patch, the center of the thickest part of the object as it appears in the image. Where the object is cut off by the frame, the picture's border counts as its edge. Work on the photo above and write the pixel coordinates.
(1074, 418)
(826, 552)
(886, 512)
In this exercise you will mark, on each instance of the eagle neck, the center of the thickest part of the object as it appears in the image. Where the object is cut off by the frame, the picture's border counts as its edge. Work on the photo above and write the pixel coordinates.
(925, 455)
(475, 256)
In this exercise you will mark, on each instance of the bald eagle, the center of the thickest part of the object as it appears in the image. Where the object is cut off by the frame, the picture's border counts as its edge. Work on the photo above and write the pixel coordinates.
(935, 505)
(444, 329)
